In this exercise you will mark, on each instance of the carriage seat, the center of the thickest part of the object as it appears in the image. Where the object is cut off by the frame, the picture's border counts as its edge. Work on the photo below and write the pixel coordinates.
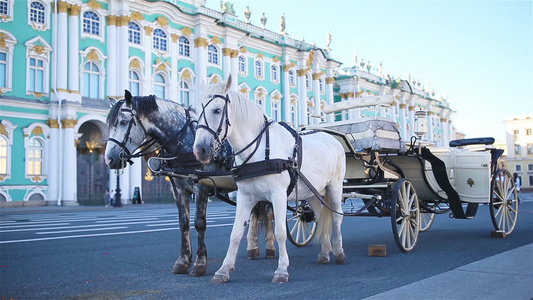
(376, 134)
(474, 141)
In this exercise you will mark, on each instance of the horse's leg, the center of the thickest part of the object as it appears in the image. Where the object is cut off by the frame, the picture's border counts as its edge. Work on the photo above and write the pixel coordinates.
(334, 191)
(200, 265)
(279, 203)
(244, 207)
(323, 237)
(253, 249)
(269, 231)
(182, 202)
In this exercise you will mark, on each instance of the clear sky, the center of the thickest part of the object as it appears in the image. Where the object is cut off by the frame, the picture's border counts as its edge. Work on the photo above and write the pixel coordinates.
(478, 53)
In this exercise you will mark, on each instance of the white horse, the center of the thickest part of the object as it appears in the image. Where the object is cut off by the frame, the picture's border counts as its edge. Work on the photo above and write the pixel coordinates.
(230, 115)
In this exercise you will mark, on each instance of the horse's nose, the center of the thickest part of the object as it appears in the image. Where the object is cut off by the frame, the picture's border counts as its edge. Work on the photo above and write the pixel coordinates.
(109, 161)
(201, 152)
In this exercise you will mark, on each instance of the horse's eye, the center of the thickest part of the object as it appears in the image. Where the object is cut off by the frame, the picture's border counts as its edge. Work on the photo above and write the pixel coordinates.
(217, 111)
(123, 122)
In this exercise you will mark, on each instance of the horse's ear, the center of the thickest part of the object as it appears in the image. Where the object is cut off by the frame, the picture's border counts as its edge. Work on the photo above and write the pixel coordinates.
(127, 96)
(227, 84)
(112, 101)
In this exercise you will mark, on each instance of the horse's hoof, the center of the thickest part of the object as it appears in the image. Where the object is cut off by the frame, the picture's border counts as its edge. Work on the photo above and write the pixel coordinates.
(280, 278)
(253, 254)
(340, 259)
(219, 279)
(322, 259)
(198, 270)
(270, 253)
(180, 268)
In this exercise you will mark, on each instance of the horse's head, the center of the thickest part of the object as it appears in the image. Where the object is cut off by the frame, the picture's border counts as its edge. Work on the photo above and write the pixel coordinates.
(126, 132)
(213, 123)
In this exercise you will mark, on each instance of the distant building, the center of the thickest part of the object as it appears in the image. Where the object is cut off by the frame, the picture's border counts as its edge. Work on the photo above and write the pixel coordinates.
(519, 138)
(60, 65)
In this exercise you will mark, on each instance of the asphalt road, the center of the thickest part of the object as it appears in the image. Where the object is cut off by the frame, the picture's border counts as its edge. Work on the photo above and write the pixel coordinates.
(127, 253)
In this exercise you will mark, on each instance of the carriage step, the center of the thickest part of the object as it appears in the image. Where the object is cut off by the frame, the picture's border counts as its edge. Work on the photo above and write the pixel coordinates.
(499, 234)
(377, 250)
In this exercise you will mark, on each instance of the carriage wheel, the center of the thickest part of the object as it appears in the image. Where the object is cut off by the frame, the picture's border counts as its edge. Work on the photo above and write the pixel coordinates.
(405, 215)
(426, 220)
(504, 201)
(301, 227)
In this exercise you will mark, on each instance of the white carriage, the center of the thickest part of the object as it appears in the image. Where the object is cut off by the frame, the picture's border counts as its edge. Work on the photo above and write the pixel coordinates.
(412, 182)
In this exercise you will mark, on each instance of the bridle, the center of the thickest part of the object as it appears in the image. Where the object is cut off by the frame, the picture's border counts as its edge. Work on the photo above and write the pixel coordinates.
(225, 119)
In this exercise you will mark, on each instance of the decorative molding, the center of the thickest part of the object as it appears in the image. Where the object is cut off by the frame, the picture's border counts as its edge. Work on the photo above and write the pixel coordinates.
(92, 55)
(111, 20)
(214, 80)
(443, 119)
(431, 113)
(260, 55)
(227, 51)
(276, 59)
(94, 5)
(3, 130)
(74, 10)
(175, 37)
(316, 76)
(135, 64)
(412, 108)
(234, 53)
(137, 16)
(148, 30)
(200, 42)
(123, 21)
(37, 130)
(215, 40)
(186, 31)
(310, 58)
(330, 80)
(69, 123)
(403, 105)
(53, 123)
(286, 68)
(186, 75)
(302, 72)
(162, 21)
(243, 50)
(62, 7)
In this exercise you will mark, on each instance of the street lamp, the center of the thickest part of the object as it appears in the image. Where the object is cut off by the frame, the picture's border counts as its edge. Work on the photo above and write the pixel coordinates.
(117, 202)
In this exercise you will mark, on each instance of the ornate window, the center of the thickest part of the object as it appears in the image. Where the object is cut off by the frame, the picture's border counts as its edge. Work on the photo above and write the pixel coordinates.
(293, 114)
(134, 33)
(184, 93)
(260, 97)
(274, 73)
(160, 40)
(184, 46)
(91, 23)
(242, 65)
(4, 7)
(321, 85)
(36, 74)
(37, 12)
(34, 157)
(6, 143)
(275, 111)
(134, 83)
(258, 70)
(160, 86)
(6, 10)
(91, 80)
(292, 78)
(3, 69)
(212, 54)
(6, 61)
(307, 81)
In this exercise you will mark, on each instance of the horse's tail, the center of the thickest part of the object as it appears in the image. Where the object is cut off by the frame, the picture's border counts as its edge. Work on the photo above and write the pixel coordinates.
(323, 231)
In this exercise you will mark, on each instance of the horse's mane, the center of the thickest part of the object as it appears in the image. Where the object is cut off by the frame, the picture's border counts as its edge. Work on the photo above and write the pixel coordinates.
(144, 105)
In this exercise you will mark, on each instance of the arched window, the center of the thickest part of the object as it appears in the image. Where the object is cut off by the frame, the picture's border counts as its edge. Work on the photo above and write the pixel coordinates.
(3, 69)
(135, 83)
(37, 12)
(35, 157)
(275, 113)
(212, 54)
(91, 80)
(242, 65)
(307, 81)
(91, 23)
(3, 155)
(134, 33)
(4, 8)
(274, 73)
(292, 78)
(184, 93)
(321, 84)
(36, 79)
(184, 46)
(159, 86)
(160, 40)
(258, 69)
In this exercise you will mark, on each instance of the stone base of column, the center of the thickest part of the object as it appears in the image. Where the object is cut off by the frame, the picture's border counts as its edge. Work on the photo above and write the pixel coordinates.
(69, 203)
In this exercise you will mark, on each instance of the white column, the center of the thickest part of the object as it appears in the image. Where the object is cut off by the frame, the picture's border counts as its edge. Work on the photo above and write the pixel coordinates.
(135, 176)
(226, 62)
(429, 134)
(62, 48)
(412, 122)
(112, 56)
(122, 54)
(329, 97)
(302, 95)
(316, 95)
(147, 88)
(174, 79)
(444, 128)
(235, 69)
(73, 51)
(53, 161)
(69, 161)
(200, 66)
(403, 122)
(286, 100)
